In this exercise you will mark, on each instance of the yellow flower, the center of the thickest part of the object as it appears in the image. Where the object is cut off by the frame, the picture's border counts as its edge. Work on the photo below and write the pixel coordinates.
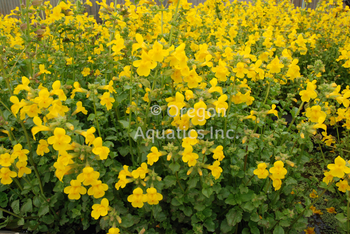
(221, 105)
(39, 127)
(309, 93)
(75, 190)
(153, 197)
(275, 66)
(276, 182)
(278, 171)
(137, 198)
(218, 153)
(43, 70)
(60, 140)
(154, 156)
(343, 186)
(309, 230)
(80, 108)
(100, 150)
(339, 168)
(20, 153)
(86, 71)
(17, 105)
(6, 174)
(313, 194)
(327, 177)
(23, 86)
(176, 104)
(22, 168)
(315, 113)
(89, 135)
(240, 70)
(273, 111)
(88, 176)
(6, 159)
(144, 65)
(107, 100)
(97, 189)
(44, 100)
(100, 209)
(56, 89)
(331, 210)
(261, 171)
(140, 172)
(216, 170)
(189, 157)
(113, 230)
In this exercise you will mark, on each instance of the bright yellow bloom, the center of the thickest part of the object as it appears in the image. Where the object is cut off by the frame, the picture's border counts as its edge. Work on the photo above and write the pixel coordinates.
(216, 170)
(6, 175)
(218, 153)
(97, 189)
(44, 100)
(154, 156)
(107, 100)
(43, 147)
(75, 190)
(20, 153)
(100, 209)
(86, 71)
(39, 127)
(339, 168)
(80, 108)
(88, 176)
(153, 197)
(6, 159)
(99, 149)
(22, 168)
(113, 230)
(261, 171)
(140, 172)
(309, 93)
(60, 140)
(343, 186)
(89, 135)
(137, 198)
(278, 171)
(189, 157)
(56, 89)
(275, 66)
(145, 65)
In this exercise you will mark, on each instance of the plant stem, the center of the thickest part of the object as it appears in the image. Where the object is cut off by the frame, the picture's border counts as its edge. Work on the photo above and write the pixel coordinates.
(293, 120)
(173, 21)
(9, 212)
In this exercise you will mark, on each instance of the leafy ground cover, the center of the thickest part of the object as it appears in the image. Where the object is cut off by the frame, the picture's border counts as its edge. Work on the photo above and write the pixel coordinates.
(224, 117)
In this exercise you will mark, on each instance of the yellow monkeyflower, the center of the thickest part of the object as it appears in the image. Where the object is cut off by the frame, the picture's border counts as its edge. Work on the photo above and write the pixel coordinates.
(343, 186)
(6, 159)
(43, 147)
(216, 170)
(278, 171)
(97, 189)
(6, 175)
(113, 230)
(100, 209)
(154, 156)
(99, 149)
(137, 198)
(339, 168)
(22, 168)
(107, 100)
(60, 140)
(75, 190)
(88, 176)
(309, 93)
(80, 108)
(153, 197)
(261, 171)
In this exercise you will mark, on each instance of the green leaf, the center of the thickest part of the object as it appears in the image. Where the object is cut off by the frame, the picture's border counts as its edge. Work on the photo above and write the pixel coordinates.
(124, 123)
(27, 206)
(234, 216)
(36, 201)
(192, 182)
(145, 83)
(48, 219)
(3, 199)
(231, 200)
(224, 227)
(15, 206)
(254, 217)
(207, 191)
(128, 221)
(290, 180)
(187, 210)
(20, 222)
(278, 230)
(44, 209)
(174, 167)
(209, 224)
(169, 181)
(76, 213)
(341, 218)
